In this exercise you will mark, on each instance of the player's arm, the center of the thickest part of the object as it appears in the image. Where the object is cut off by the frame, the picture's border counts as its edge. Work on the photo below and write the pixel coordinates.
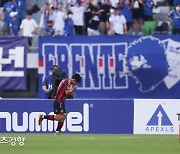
(11, 31)
(125, 28)
(44, 87)
(3, 14)
(69, 91)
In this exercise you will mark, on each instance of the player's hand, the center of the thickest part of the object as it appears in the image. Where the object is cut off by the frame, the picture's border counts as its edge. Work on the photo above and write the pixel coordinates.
(75, 87)
(73, 94)
(33, 32)
(48, 90)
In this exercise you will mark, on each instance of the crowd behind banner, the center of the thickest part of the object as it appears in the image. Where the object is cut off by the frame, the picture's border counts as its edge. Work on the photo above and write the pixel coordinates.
(83, 17)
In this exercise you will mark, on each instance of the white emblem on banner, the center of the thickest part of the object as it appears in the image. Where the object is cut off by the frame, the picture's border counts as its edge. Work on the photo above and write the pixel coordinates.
(16, 57)
(173, 58)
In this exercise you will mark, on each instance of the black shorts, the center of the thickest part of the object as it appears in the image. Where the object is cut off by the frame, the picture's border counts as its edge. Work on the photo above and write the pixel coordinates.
(59, 108)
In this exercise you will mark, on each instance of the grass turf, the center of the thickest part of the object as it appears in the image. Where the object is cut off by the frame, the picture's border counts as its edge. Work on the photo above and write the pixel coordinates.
(93, 144)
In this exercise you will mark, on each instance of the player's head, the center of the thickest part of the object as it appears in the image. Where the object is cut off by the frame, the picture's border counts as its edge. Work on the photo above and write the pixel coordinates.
(79, 2)
(76, 78)
(177, 8)
(106, 1)
(47, 6)
(147, 62)
(53, 68)
(70, 14)
(59, 6)
(50, 23)
(29, 15)
(127, 2)
(117, 11)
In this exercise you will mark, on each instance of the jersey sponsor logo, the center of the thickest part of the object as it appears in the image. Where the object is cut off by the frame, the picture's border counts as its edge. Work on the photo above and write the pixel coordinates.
(75, 122)
(160, 122)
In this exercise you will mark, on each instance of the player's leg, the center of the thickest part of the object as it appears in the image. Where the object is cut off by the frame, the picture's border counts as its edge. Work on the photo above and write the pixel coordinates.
(60, 123)
(48, 117)
(61, 117)
(56, 116)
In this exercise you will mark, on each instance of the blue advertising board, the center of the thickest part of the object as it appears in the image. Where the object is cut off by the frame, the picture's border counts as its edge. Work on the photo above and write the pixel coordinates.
(116, 66)
(83, 116)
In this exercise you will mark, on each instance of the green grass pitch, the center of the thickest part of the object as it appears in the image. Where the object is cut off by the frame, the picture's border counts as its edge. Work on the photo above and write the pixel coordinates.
(93, 144)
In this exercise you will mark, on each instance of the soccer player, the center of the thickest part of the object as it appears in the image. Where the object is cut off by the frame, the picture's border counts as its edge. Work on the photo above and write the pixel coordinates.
(47, 83)
(63, 90)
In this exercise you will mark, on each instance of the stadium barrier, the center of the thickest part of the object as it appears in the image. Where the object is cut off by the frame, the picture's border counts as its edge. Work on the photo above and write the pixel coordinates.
(93, 116)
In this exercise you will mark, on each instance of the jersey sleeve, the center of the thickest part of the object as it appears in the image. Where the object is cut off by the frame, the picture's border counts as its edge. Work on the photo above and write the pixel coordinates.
(35, 24)
(22, 25)
(123, 19)
(10, 24)
(44, 82)
(171, 14)
(15, 7)
(62, 84)
(61, 87)
(111, 18)
(4, 8)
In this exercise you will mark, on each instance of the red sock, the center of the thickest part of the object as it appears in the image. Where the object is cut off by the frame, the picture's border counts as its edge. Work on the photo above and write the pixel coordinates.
(60, 124)
(51, 117)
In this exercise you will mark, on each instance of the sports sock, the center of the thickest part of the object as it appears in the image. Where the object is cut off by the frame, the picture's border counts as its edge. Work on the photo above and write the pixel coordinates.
(60, 124)
(49, 117)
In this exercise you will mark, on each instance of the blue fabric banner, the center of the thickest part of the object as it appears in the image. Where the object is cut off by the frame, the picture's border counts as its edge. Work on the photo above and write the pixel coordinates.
(13, 57)
(116, 66)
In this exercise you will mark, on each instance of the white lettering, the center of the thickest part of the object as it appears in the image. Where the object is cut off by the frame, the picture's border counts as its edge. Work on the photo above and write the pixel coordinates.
(16, 55)
(7, 116)
(73, 121)
(76, 122)
(33, 122)
(24, 126)
(86, 117)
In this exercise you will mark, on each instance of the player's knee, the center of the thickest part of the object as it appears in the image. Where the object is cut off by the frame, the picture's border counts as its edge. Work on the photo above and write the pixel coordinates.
(58, 117)
(64, 116)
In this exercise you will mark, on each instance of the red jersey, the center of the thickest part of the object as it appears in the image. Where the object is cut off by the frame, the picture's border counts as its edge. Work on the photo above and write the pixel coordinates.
(61, 91)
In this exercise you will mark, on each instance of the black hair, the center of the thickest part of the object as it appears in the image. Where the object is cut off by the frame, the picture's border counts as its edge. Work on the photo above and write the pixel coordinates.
(118, 9)
(29, 13)
(77, 77)
(47, 3)
(59, 3)
(69, 12)
(49, 21)
(54, 67)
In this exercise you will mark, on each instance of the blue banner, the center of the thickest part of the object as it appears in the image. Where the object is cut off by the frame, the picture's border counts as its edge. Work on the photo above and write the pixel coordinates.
(13, 58)
(116, 66)
(83, 116)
